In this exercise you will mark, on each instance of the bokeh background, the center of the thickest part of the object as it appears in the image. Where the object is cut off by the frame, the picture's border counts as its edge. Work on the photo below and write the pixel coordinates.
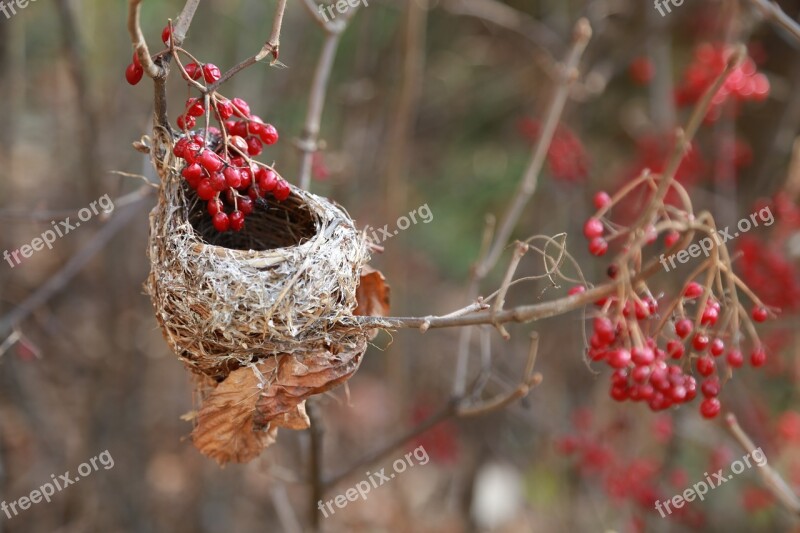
(428, 104)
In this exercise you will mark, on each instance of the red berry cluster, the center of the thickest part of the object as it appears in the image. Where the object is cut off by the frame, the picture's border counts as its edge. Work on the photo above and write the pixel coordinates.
(218, 160)
(660, 376)
(219, 165)
(744, 83)
(566, 157)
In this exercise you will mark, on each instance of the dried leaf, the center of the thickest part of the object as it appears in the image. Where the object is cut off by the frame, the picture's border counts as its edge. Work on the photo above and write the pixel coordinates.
(225, 428)
(241, 416)
(372, 295)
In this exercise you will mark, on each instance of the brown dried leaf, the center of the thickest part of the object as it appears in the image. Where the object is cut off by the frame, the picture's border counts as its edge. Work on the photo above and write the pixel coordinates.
(225, 428)
(372, 294)
(241, 416)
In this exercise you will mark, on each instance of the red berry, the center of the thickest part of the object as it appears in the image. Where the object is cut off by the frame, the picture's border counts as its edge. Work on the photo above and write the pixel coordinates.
(598, 246)
(706, 366)
(759, 314)
(239, 128)
(268, 134)
(204, 189)
(683, 327)
(245, 205)
(675, 349)
(577, 289)
(671, 238)
(134, 73)
(282, 190)
(211, 73)
(758, 357)
(179, 149)
(192, 172)
(267, 179)
(735, 359)
(642, 356)
(238, 143)
(641, 70)
(710, 316)
(619, 358)
(601, 199)
(190, 152)
(693, 290)
(604, 329)
(700, 342)
(225, 110)
(165, 33)
(593, 228)
(241, 107)
(233, 178)
(255, 126)
(211, 161)
(218, 181)
(247, 177)
(221, 222)
(237, 220)
(710, 387)
(193, 71)
(186, 122)
(194, 107)
(710, 407)
(214, 206)
(717, 347)
(254, 146)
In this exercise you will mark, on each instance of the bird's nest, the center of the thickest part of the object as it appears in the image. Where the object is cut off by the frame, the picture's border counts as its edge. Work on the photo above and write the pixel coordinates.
(277, 294)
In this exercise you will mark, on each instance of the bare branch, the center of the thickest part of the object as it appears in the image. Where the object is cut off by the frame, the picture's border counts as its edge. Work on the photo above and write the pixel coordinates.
(139, 43)
(582, 33)
(773, 12)
(772, 479)
(272, 46)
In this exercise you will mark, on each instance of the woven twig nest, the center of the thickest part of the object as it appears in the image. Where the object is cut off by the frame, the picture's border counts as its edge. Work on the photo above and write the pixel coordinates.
(274, 297)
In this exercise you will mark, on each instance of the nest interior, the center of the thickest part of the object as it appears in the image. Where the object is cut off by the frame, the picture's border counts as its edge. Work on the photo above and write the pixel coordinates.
(286, 284)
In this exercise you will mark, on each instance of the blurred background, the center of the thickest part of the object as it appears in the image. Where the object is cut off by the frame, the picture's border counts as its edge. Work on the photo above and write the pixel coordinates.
(433, 103)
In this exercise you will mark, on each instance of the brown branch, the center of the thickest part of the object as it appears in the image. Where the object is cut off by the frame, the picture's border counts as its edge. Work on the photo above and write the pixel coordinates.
(772, 479)
(773, 12)
(272, 46)
(308, 141)
(315, 461)
(139, 43)
(582, 33)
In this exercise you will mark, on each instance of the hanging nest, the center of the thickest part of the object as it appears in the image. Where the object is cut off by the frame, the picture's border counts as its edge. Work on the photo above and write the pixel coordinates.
(260, 316)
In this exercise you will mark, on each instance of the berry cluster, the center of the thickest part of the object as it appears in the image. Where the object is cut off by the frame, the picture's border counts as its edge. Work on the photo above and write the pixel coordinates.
(744, 83)
(566, 156)
(668, 353)
(661, 375)
(218, 164)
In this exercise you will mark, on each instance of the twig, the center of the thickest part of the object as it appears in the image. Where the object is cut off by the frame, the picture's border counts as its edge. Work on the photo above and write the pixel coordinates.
(772, 479)
(272, 46)
(315, 461)
(773, 12)
(582, 34)
(139, 43)
(519, 252)
(308, 141)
